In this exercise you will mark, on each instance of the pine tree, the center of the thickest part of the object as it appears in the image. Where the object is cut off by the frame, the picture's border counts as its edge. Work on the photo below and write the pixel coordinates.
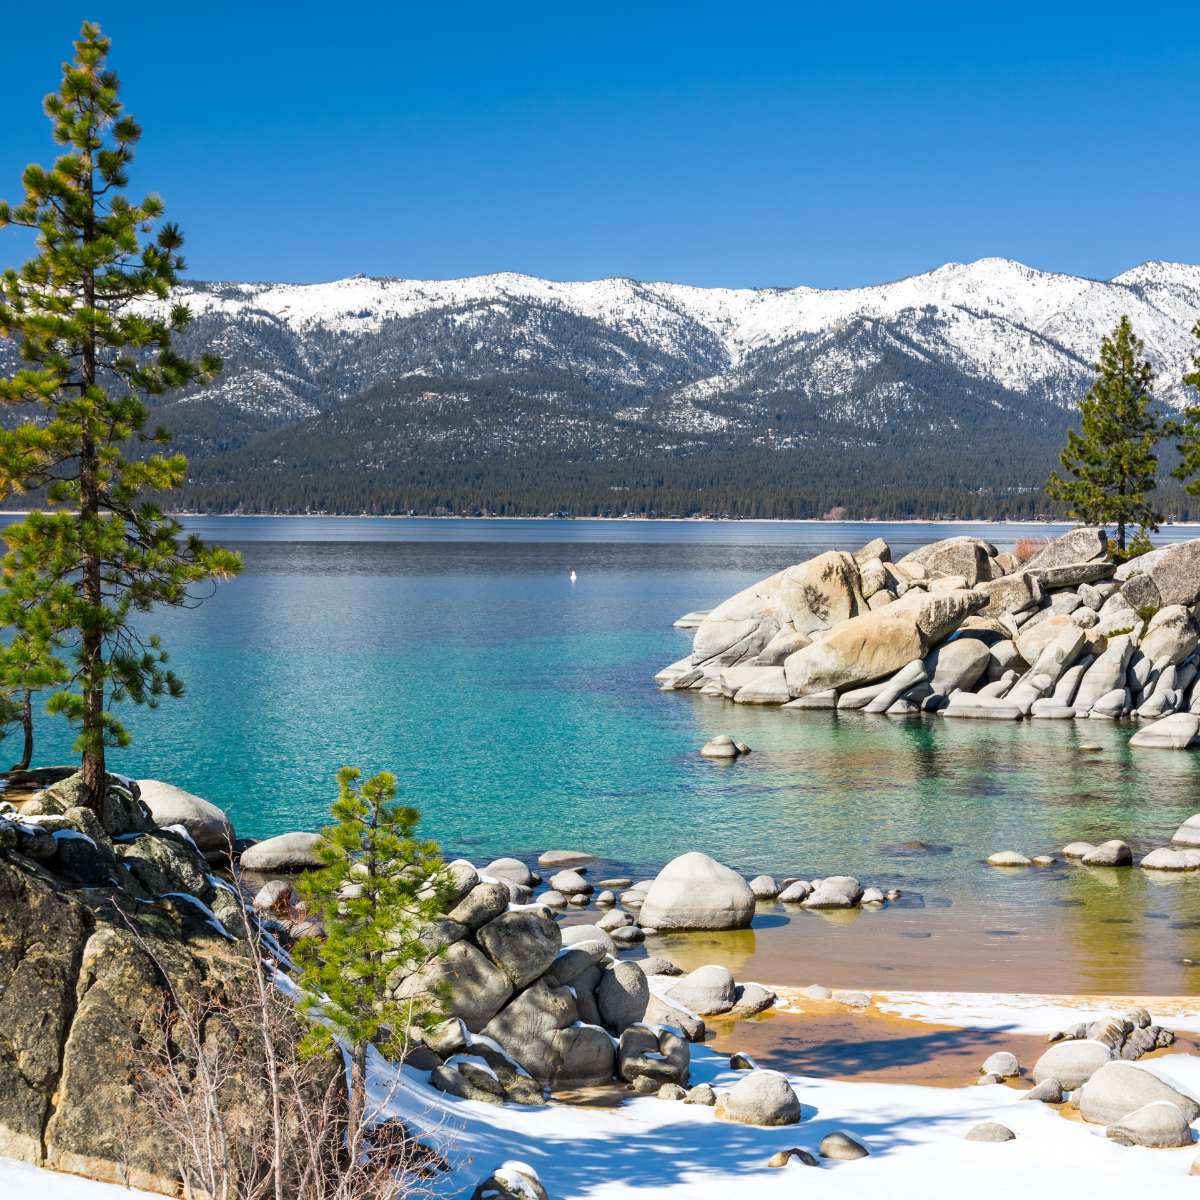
(1187, 429)
(29, 663)
(94, 320)
(378, 891)
(1112, 456)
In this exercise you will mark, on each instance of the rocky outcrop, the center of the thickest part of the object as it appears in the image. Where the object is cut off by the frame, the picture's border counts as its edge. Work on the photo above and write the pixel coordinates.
(84, 965)
(957, 629)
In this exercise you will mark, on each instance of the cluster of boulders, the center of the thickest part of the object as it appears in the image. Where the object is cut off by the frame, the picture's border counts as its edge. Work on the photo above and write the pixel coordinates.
(1182, 855)
(960, 629)
(1091, 1065)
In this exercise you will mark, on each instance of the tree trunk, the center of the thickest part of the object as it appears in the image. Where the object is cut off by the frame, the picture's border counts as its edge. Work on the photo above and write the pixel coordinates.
(92, 641)
(27, 729)
(356, 1107)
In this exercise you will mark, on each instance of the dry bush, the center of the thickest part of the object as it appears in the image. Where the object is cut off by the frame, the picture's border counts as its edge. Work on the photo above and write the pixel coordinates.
(248, 1116)
(1029, 547)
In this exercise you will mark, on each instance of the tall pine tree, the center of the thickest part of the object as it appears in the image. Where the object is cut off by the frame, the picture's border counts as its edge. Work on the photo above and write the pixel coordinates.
(94, 320)
(1112, 457)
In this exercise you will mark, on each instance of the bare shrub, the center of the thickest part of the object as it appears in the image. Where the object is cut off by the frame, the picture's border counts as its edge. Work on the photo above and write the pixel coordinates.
(249, 1115)
(1029, 547)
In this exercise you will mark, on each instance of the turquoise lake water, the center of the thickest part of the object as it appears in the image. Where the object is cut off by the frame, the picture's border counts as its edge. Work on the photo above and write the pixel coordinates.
(519, 713)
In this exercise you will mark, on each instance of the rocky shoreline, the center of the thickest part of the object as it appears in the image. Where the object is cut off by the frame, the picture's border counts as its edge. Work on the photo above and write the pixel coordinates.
(959, 629)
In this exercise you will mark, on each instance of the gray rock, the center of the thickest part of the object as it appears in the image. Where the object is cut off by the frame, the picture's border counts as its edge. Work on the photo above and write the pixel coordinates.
(654, 965)
(662, 1011)
(694, 891)
(483, 903)
(1010, 594)
(1159, 1125)
(1169, 636)
(512, 1181)
(671, 1091)
(512, 869)
(764, 887)
(1008, 858)
(277, 896)
(572, 961)
(1084, 544)
(1117, 1089)
(838, 891)
(702, 1093)
(629, 935)
(1188, 834)
(557, 859)
(605, 899)
(206, 824)
(522, 944)
(842, 1147)
(706, 991)
(1174, 571)
(458, 878)
(752, 999)
(615, 920)
(476, 987)
(573, 935)
(1003, 1064)
(467, 1080)
(448, 1038)
(287, 852)
(1178, 731)
(1114, 853)
(622, 995)
(965, 556)
(1049, 1091)
(658, 1055)
(571, 883)
(796, 893)
(722, 746)
(1072, 1063)
(990, 1131)
(552, 899)
(760, 1098)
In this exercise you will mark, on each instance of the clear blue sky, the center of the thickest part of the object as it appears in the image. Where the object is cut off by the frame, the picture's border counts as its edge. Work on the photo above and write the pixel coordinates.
(752, 145)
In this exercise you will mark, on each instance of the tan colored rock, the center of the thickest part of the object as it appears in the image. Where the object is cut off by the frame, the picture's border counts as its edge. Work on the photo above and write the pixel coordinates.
(966, 556)
(822, 592)
(1031, 642)
(858, 651)
(938, 614)
(1170, 636)
(1010, 594)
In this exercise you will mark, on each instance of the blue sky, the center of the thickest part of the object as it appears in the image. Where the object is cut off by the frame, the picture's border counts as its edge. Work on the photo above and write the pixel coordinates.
(751, 145)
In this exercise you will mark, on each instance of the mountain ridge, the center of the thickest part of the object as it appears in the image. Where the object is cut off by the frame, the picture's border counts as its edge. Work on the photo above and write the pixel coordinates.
(942, 393)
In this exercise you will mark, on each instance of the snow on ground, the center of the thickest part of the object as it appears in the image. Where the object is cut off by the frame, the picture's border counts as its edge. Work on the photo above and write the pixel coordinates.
(1017, 1012)
(20, 1181)
(669, 1150)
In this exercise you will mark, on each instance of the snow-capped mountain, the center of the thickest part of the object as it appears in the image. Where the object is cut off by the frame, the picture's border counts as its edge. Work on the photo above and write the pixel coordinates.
(394, 382)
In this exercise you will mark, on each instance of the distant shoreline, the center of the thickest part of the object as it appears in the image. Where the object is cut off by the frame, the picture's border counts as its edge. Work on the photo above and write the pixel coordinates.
(331, 516)
(947, 521)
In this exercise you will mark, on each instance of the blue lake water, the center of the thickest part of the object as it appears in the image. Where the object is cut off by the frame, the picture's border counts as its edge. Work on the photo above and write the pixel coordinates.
(519, 713)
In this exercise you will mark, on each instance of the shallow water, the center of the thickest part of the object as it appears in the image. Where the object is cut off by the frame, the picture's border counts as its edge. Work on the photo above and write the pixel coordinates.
(519, 712)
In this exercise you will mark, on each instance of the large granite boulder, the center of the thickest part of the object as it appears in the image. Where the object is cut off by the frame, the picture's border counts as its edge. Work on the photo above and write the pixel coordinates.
(821, 592)
(966, 556)
(694, 891)
(205, 823)
(1117, 1089)
(732, 628)
(286, 852)
(622, 995)
(938, 614)
(1072, 1063)
(858, 651)
(957, 665)
(476, 988)
(1169, 637)
(706, 991)
(1174, 571)
(522, 944)
(1159, 1125)
(1010, 594)
(1083, 545)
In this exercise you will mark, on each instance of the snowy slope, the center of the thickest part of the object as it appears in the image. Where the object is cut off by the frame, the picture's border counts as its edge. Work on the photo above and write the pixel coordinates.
(1005, 321)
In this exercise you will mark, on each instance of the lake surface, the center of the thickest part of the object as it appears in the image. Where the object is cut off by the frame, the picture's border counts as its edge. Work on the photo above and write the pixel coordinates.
(519, 713)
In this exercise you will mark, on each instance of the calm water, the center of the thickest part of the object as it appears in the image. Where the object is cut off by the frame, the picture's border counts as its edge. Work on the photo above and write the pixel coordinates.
(518, 711)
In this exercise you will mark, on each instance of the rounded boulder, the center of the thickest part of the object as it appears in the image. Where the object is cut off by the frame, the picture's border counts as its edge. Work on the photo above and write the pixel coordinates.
(694, 891)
